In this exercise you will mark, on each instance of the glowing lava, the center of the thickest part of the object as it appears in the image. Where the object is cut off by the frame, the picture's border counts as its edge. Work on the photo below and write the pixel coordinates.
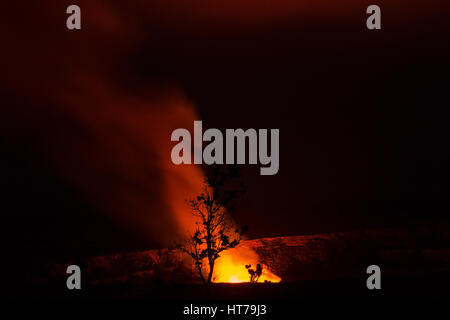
(230, 267)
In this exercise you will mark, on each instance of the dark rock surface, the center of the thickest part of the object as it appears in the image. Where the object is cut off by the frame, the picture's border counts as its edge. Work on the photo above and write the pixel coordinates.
(400, 251)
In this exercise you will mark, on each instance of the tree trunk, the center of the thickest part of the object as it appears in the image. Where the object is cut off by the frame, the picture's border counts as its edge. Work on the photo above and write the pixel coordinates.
(211, 269)
(209, 250)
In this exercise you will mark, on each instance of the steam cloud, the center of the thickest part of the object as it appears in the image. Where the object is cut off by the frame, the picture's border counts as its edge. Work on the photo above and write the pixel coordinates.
(94, 124)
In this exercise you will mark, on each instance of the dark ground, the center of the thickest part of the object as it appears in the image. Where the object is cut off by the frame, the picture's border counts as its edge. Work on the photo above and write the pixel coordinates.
(320, 299)
(427, 286)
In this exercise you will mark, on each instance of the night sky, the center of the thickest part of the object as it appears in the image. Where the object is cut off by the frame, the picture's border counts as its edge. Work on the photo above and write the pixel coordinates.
(86, 116)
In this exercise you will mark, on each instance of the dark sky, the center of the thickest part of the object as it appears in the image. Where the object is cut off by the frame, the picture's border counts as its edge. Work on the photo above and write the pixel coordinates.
(86, 116)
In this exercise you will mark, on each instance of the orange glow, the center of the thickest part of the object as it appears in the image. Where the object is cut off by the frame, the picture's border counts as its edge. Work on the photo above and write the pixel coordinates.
(230, 267)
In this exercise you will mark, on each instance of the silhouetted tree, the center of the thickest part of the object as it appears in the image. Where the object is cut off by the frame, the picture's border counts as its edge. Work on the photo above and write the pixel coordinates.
(215, 230)
(254, 274)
